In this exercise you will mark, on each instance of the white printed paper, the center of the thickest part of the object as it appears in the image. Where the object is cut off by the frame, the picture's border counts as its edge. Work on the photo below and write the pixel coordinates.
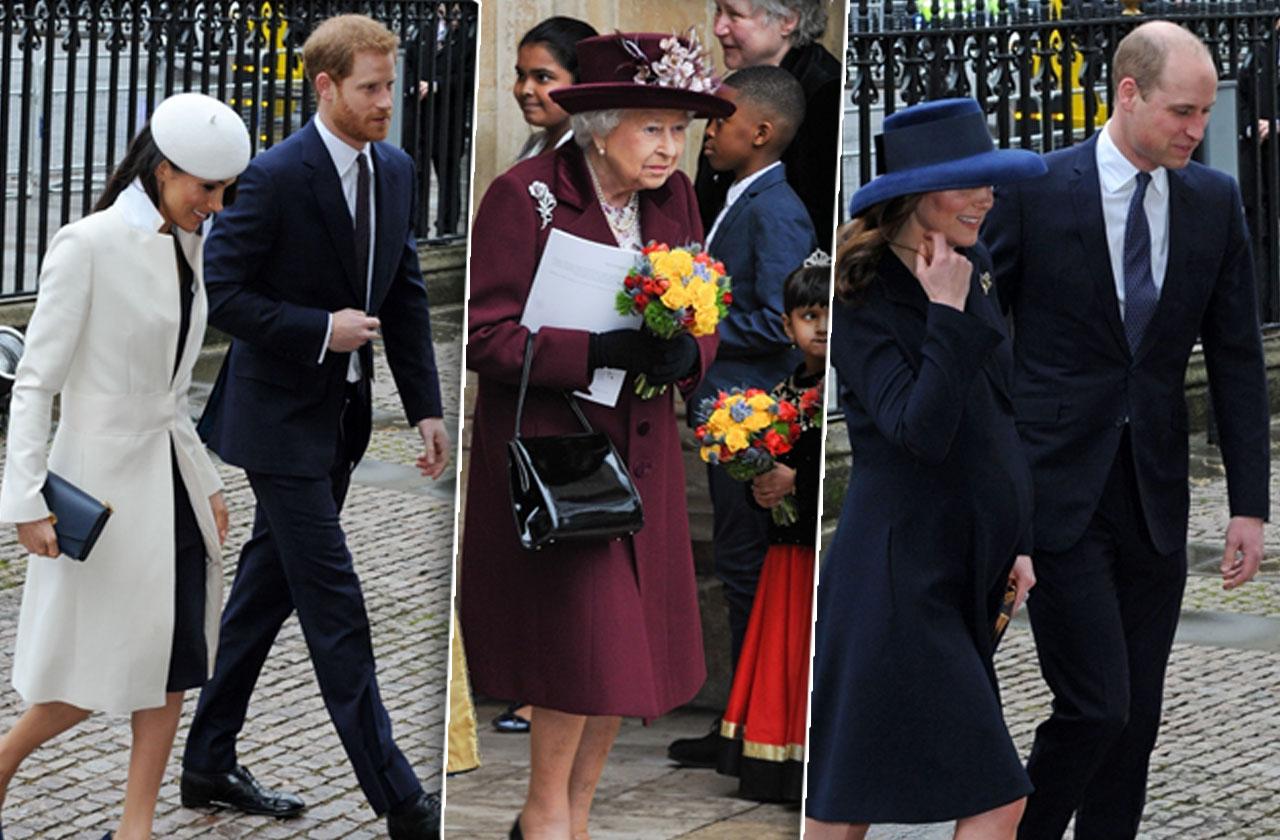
(575, 287)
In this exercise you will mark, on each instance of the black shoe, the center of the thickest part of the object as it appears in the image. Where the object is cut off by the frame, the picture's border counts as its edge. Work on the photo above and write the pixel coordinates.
(419, 820)
(108, 836)
(239, 790)
(511, 722)
(697, 752)
(516, 833)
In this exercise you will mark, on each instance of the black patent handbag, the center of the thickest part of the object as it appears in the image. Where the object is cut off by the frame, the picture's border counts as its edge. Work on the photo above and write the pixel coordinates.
(568, 487)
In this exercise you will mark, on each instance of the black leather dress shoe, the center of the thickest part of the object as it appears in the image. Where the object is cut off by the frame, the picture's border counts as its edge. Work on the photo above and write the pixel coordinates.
(419, 820)
(511, 722)
(697, 752)
(516, 833)
(237, 789)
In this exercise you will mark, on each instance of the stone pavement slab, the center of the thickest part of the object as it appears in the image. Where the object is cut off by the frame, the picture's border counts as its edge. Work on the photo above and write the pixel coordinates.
(642, 795)
(400, 532)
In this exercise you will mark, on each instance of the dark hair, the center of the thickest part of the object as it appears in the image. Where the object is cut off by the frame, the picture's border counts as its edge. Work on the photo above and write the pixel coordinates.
(140, 162)
(808, 285)
(560, 35)
(776, 93)
(862, 243)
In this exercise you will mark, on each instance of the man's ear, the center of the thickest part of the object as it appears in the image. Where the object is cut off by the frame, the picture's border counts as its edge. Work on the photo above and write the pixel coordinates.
(324, 85)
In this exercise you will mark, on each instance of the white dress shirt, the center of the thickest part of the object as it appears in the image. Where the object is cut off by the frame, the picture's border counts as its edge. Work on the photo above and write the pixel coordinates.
(735, 192)
(1117, 178)
(344, 161)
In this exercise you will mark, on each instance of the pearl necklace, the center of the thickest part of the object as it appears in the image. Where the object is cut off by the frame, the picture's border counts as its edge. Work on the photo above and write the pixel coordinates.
(624, 221)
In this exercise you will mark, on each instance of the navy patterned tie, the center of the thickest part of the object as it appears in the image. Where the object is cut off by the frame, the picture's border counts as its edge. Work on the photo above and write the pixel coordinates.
(1140, 295)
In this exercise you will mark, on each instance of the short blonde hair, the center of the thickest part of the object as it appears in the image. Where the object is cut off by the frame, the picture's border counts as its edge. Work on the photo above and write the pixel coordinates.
(332, 47)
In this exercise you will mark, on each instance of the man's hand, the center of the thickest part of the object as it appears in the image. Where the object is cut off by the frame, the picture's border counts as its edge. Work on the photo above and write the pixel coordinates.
(1243, 551)
(38, 537)
(435, 447)
(352, 328)
(1023, 576)
(221, 519)
(1264, 129)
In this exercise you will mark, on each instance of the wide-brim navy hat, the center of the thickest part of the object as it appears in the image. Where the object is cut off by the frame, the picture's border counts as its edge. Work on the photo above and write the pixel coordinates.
(940, 145)
(643, 70)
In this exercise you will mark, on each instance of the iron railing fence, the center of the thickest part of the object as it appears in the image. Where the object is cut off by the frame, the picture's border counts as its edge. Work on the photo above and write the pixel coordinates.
(1043, 74)
(79, 77)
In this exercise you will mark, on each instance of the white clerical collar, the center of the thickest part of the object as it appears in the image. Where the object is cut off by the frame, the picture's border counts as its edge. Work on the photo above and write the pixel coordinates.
(1116, 172)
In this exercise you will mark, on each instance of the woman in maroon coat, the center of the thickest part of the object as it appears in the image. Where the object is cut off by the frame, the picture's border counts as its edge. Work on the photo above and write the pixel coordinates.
(586, 632)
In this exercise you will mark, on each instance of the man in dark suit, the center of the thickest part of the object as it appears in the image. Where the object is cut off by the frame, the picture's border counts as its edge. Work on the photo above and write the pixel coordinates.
(1113, 265)
(316, 255)
(785, 33)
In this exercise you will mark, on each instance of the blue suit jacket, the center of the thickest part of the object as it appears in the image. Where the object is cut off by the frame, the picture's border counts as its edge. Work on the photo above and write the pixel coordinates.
(765, 236)
(277, 262)
(1076, 383)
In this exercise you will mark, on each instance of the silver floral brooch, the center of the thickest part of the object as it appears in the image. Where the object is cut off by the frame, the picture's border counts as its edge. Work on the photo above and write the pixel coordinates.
(546, 201)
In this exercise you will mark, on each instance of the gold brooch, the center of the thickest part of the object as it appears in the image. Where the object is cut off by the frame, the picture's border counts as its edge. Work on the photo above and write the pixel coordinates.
(985, 280)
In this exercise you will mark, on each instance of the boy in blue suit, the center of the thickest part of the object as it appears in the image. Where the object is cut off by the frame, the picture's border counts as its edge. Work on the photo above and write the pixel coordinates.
(762, 235)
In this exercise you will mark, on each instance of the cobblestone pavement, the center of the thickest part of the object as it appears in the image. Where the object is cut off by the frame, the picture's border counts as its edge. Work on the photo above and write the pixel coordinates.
(400, 531)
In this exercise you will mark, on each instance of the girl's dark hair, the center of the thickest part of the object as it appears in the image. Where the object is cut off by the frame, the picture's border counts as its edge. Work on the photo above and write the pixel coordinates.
(862, 243)
(807, 286)
(560, 35)
(140, 162)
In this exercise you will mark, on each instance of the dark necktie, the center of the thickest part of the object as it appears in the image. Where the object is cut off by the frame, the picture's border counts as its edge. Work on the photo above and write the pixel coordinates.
(1140, 297)
(362, 223)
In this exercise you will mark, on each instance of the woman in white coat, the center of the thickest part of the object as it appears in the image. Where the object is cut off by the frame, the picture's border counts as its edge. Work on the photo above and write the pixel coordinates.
(117, 327)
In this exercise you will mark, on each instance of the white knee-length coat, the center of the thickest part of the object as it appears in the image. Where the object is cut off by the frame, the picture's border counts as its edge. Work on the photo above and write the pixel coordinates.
(98, 634)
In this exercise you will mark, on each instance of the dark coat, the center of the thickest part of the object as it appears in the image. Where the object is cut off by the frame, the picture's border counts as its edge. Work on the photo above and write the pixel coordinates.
(764, 237)
(1077, 384)
(906, 721)
(601, 627)
(276, 408)
(811, 157)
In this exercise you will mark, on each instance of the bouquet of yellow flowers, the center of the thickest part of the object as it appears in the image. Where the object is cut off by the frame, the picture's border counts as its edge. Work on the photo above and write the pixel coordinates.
(674, 290)
(745, 431)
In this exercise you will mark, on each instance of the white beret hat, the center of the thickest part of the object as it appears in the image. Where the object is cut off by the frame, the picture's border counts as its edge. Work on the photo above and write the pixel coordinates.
(201, 135)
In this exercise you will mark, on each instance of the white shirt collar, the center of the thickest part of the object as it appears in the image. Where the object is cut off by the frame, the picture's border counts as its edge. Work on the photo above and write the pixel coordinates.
(739, 187)
(344, 156)
(1116, 172)
(137, 208)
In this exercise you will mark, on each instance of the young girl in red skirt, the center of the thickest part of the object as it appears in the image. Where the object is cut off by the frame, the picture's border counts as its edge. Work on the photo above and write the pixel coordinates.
(763, 729)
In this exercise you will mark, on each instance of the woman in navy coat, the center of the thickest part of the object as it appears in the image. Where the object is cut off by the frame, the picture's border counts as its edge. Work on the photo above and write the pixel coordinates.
(906, 723)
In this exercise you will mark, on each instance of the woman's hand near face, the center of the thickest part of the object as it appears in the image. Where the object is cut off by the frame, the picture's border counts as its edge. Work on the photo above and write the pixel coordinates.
(38, 537)
(769, 489)
(221, 518)
(943, 271)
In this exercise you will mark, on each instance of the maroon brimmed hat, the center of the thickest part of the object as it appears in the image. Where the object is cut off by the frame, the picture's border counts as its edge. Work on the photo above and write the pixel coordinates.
(644, 70)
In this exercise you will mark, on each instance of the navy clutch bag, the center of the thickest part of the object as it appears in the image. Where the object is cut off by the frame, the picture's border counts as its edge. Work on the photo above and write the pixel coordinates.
(78, 518)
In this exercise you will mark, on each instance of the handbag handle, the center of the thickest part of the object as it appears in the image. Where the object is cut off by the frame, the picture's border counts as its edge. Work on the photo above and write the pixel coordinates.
(524, 387)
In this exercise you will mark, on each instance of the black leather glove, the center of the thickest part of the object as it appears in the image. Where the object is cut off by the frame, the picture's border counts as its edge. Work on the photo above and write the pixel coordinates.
(673, 359)
(627, 350)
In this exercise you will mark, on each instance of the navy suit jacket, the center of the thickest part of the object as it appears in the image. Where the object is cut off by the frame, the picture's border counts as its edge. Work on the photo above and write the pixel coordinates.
(765, 236)
(1076, 383)
(277, 262)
